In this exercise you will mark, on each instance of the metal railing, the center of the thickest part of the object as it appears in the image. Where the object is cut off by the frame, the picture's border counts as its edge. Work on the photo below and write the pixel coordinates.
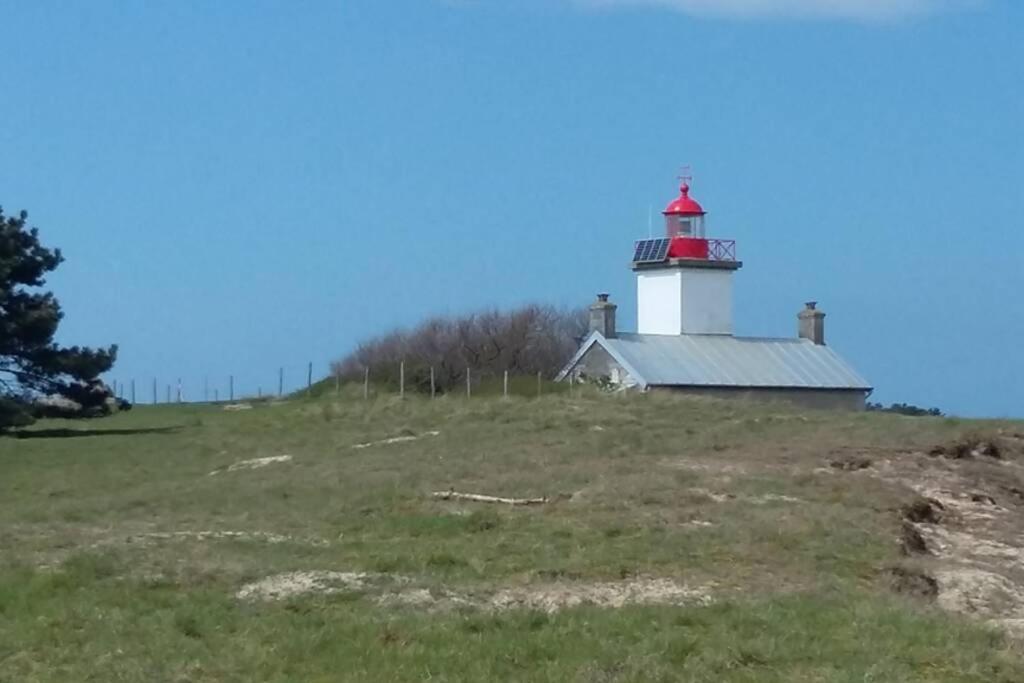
(722, 250)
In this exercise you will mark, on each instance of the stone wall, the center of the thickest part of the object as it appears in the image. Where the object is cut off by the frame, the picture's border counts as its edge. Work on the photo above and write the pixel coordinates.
(597, 363)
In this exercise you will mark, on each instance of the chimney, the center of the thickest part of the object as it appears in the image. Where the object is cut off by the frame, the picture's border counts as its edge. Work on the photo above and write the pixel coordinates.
(812, 323)
(602, 316)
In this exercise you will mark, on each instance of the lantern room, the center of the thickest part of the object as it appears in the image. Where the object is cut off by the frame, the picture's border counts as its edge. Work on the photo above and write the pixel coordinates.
(684, 217)
(684, 225)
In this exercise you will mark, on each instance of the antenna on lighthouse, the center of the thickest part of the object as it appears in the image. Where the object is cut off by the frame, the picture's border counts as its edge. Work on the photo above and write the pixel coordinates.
(686, 174)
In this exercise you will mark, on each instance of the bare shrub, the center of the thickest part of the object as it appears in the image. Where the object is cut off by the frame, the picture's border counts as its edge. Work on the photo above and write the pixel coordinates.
(524, 341)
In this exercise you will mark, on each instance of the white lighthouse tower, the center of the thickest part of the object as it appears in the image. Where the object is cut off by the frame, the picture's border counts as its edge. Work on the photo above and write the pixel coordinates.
(684, 280)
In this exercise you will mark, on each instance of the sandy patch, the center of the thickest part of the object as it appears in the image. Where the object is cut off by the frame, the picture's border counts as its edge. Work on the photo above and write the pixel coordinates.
(961, 545)
(716, 467)
(699, 524)
(258, 536)
(393, 591)
(980, 592)
(773, 498)
(396, 439)
(238, 406)
(1015, 627)
(417, 597)
(253, 463)
(966, 523)
(754, 500)
(969, 505)
(716, 497)
(554, 597)
(423, 598)
(292, 584)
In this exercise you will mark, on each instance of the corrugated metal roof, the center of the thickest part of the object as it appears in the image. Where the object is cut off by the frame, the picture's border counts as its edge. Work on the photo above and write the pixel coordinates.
(727, 361)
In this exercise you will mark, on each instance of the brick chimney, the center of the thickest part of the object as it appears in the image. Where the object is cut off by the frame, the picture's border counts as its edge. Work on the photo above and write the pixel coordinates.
(812, 323)
(602, 316)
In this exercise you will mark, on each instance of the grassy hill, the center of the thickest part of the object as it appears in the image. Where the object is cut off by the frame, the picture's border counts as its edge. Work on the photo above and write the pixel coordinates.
(683, 540)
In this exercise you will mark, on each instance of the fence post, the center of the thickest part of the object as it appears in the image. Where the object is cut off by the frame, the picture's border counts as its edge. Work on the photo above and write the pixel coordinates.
(231, 387)
(178, 390)
(469, 383)
(259, 392)
(401, 379)
(433, 384)
(309, 379)
(540, 382)
(280, 382)
(505, 386)
(133, 392)
(216, 395)
(366, 384)
(154, 391)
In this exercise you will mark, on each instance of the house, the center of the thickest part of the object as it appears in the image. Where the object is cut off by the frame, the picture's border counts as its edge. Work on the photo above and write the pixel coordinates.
(685, 341)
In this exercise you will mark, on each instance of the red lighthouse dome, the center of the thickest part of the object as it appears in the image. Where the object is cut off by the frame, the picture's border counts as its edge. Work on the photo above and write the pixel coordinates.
(684, 205)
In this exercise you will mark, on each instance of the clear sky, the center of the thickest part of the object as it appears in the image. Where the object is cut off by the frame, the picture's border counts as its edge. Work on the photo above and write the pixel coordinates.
(239, 186)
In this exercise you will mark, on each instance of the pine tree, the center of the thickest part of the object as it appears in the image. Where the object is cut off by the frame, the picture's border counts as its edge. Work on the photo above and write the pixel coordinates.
(31, 364)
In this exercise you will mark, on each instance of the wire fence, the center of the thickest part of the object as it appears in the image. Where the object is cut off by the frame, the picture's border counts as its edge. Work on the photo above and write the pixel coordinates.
(212, 388)
(221, 389)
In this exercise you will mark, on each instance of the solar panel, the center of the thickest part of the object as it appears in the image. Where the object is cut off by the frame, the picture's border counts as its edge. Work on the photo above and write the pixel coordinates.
(651, 251)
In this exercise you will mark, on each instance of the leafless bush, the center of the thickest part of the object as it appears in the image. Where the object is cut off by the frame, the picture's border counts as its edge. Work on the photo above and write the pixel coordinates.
(527, 340)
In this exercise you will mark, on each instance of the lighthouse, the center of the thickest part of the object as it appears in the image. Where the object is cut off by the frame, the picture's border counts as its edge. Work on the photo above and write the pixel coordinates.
(684, 279)
(685, 341)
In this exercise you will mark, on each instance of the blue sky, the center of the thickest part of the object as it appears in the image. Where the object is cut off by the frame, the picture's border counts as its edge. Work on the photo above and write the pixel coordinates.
(239, 186)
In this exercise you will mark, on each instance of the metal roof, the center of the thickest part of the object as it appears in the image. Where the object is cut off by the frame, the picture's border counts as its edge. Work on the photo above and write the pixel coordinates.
(726, 361)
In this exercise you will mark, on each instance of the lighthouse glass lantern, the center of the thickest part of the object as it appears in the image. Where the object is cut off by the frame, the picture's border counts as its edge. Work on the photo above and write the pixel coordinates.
(684, 225)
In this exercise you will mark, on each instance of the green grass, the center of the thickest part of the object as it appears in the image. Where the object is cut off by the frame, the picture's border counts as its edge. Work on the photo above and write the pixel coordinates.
(88, 592)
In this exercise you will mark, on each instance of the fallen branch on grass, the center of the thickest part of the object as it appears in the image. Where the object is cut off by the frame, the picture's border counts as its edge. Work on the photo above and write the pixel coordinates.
(253, 464)
(477, 498)
(395, 439)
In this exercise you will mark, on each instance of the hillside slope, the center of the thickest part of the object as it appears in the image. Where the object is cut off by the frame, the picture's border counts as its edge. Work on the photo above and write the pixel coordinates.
(682, 540)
